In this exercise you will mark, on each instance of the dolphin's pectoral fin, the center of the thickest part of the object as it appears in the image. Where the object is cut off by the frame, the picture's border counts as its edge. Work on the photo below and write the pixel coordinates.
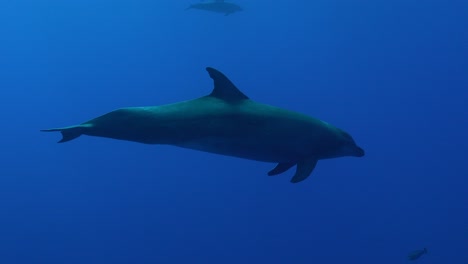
(68, 133)
(280, 168)
(304, 169)
(224, 89)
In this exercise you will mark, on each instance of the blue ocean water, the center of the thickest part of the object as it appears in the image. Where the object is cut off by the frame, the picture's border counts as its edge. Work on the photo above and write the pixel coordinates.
(391, 73)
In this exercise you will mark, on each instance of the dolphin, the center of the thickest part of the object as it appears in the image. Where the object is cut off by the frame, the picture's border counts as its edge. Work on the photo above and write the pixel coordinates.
(226, 122)
(414, 255)
(218, 6)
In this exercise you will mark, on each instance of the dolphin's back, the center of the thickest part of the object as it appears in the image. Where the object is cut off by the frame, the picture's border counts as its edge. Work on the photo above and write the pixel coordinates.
(218, 6)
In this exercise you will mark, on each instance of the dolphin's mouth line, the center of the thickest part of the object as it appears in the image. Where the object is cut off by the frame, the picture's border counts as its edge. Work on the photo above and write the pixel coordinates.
(361, 152)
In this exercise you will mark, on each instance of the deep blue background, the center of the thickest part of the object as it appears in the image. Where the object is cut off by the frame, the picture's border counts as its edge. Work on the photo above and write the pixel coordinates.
(391, 73)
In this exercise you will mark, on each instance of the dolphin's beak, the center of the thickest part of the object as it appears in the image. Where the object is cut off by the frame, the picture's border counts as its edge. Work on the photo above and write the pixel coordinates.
(359, 152)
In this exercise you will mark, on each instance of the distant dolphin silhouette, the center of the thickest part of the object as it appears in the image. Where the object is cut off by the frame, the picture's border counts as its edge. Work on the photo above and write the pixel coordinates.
(218, 6)
(414, 255)
(226, 122)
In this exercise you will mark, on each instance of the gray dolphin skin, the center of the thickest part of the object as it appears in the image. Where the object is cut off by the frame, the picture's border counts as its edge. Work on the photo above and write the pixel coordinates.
(218, 6)
(226, 122)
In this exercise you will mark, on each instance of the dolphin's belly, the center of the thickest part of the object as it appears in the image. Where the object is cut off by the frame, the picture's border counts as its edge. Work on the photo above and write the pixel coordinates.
(246, 149)
(256, 138)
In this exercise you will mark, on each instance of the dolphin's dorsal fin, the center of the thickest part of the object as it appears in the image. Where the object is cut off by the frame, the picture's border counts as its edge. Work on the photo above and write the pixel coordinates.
(223, 88)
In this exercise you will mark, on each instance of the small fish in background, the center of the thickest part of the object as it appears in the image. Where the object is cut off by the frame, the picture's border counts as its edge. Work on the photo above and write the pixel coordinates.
(417, 254)
(218, 6)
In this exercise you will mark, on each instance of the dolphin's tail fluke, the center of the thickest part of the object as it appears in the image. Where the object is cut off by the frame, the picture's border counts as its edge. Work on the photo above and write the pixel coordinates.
(68, 133)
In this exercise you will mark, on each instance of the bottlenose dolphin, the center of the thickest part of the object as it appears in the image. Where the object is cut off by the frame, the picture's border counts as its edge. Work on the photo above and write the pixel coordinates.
(226, 122)
(218, 6)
